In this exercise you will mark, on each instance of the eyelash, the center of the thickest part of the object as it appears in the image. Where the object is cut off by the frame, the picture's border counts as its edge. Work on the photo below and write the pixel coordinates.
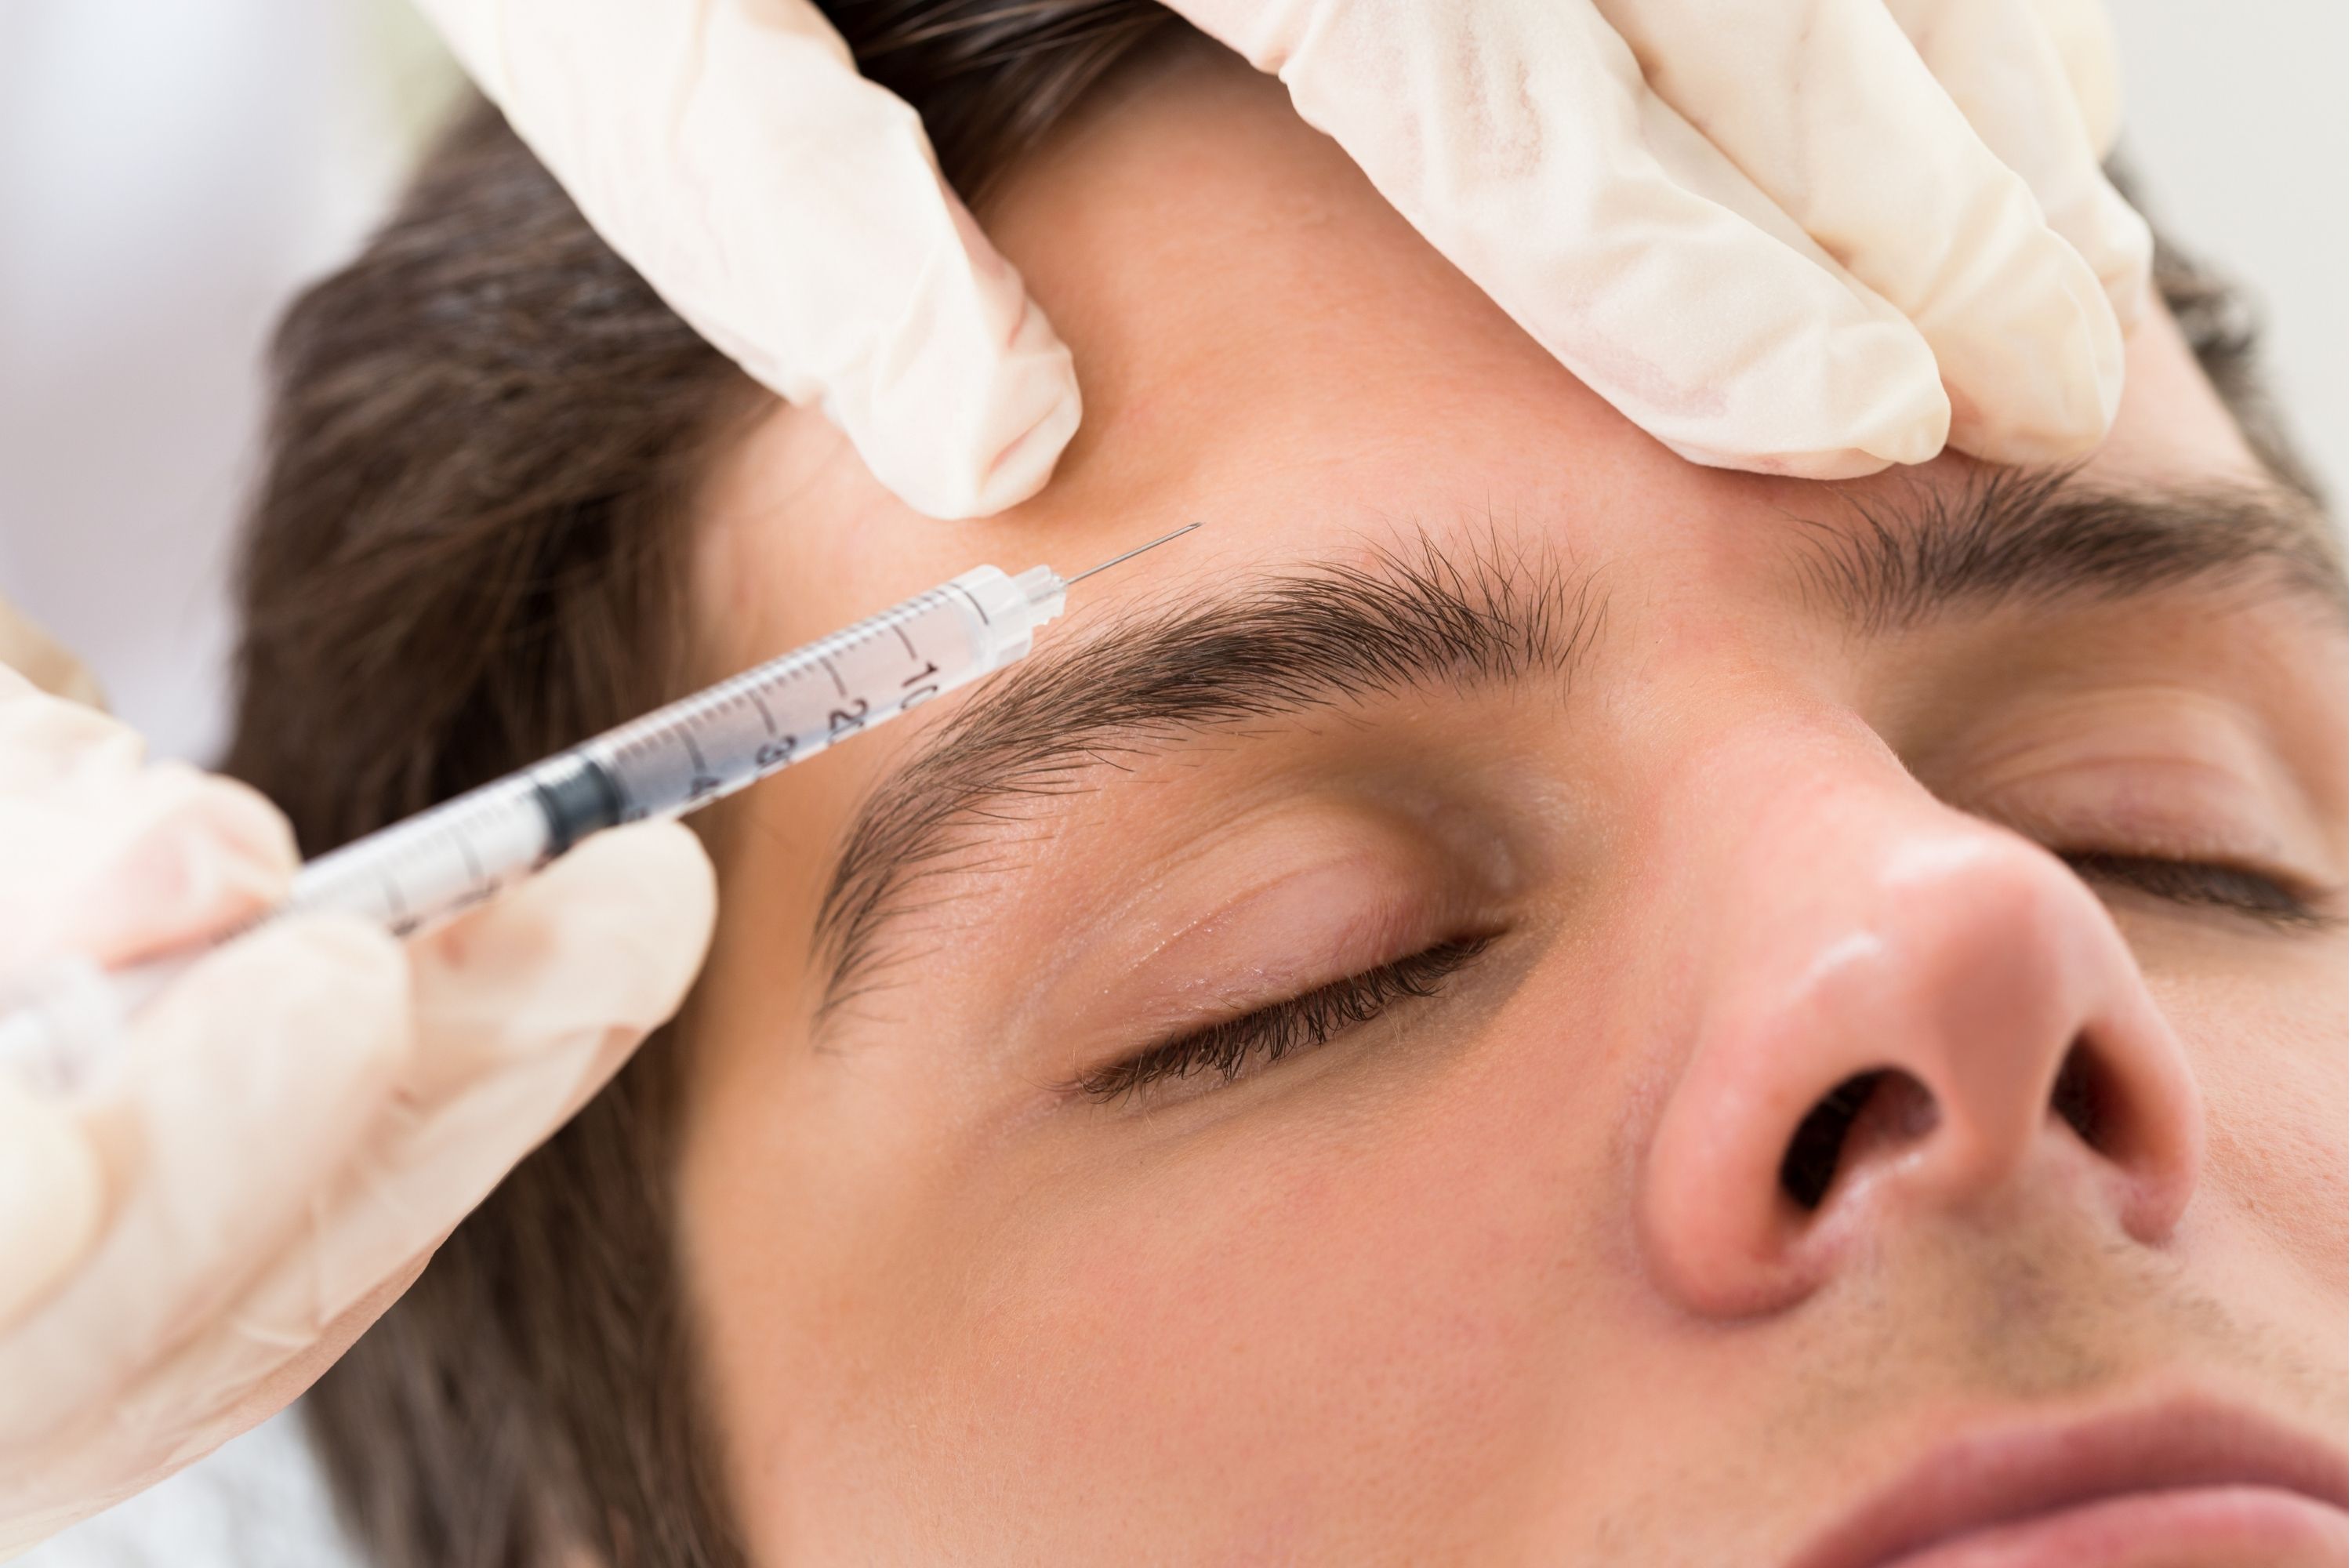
(1300, 1022)
(1318, 1017)
(2202, 884)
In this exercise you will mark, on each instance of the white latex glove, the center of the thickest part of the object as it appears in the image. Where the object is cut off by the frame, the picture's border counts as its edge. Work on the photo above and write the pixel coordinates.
(292, 1125)
(1796, 236)
(1804, 237)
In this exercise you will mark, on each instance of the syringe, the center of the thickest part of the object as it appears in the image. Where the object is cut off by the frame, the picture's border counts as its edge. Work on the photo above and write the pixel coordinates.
(674, 760)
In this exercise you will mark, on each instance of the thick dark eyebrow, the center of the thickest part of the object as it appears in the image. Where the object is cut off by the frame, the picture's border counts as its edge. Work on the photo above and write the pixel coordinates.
(1325, 636)
(1891, 561)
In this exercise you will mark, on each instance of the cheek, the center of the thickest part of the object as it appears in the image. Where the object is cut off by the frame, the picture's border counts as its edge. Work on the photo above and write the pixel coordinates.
(2269, 1055)
(1205, 1332)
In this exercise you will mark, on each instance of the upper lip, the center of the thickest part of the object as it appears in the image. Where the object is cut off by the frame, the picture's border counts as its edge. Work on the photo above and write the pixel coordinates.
(2005, 1474)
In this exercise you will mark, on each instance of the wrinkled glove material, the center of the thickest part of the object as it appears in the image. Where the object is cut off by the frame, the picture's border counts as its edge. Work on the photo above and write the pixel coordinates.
(1811, 238)
(295, 1122)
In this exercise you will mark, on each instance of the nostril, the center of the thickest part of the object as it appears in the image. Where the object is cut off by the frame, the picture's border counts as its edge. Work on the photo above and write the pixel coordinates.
(1886, 1108)
(2083, 1098)
(1812, 1160)
(1871, 1111)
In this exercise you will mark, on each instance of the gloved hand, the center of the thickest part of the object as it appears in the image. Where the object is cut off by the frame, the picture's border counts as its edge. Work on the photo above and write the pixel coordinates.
(1778, 235)
(289, 1128)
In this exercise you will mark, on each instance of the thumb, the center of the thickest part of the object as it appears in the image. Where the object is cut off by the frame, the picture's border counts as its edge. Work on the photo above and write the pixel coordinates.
(523, 1009)
(602, 944)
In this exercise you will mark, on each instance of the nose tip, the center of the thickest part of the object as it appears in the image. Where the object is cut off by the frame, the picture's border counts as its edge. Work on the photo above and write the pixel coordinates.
(1962, 1023)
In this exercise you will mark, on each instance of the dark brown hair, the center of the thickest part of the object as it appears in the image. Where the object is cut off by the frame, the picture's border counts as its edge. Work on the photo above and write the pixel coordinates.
(469, 549)
(486, 436)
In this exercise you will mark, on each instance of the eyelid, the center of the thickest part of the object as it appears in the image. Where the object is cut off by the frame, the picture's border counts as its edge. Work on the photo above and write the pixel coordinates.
(2160, 770)
(2274, 898)
(1314, 885)
(1228, 1047)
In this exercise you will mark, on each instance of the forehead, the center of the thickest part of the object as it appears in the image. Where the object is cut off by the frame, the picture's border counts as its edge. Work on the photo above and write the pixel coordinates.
(1266, 346)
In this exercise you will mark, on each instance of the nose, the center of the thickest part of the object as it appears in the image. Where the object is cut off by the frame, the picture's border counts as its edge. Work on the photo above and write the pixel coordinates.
(1902, 1012)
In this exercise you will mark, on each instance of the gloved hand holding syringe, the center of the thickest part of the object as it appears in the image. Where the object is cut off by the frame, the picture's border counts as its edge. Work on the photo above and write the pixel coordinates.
(56, 1025)
(221, 1159)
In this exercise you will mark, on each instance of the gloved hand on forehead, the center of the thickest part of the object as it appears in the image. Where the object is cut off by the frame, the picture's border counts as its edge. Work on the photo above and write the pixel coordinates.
(281, 1137)
(1803, 236)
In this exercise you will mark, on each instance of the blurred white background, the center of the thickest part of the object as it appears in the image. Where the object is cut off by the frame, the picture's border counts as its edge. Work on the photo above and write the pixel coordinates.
(171, 172)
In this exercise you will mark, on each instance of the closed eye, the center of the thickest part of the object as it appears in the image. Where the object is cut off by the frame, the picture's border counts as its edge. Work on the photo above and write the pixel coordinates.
(2235, 889)
(1260, 1039)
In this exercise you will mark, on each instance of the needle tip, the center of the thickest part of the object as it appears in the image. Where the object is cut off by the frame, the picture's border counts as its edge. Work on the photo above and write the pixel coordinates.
(1130, 554)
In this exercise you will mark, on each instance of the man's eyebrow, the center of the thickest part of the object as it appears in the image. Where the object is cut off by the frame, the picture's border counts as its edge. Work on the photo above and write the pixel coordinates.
(1321, 636)
(2037, 534)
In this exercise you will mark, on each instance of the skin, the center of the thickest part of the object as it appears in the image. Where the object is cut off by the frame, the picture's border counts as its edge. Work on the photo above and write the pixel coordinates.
(1503, 1276)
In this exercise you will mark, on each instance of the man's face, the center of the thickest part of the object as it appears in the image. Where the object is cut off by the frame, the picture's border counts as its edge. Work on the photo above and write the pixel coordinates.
(1510, 999)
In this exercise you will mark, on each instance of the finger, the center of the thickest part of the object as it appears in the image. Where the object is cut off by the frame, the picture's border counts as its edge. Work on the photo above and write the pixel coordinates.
(523, 1009)
(2085, 42)
(242, 1369)
(1869, 154)
(52, 1196)
(1998, 63)
(48, 744)
(791, 212)
(1538, 170)
(249, 1083)
(608, 938)
(150, 861)
(179, 856)
(114, 857)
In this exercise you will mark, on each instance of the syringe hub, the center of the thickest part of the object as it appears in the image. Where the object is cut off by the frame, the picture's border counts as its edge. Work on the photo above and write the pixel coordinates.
(1045, 591)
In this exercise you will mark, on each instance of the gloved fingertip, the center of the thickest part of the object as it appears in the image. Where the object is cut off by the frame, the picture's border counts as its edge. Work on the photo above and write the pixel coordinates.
(2040, 380)
(52, 1200)
(2069, 417)
(656, 879)
(301, 989)
(1021, 469)
(1884, 405)
(1003, 452)
(49, 744)
(2018, 444)
(1841, 463)
(206, 853)
(1915, 439)
(964, 407)
(2130, 254)
(609, 936)
(647, 866)
(1867, 452)
(2084, 41)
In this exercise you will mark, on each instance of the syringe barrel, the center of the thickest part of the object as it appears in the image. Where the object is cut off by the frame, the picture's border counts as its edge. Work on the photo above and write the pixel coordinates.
(785, 711)
(59, 1028)
(430, 865)
(685, 755)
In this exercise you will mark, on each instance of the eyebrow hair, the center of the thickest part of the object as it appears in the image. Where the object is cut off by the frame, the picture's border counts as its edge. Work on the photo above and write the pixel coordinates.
(1317, 638)
(2036, 535)
(1325, 636)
